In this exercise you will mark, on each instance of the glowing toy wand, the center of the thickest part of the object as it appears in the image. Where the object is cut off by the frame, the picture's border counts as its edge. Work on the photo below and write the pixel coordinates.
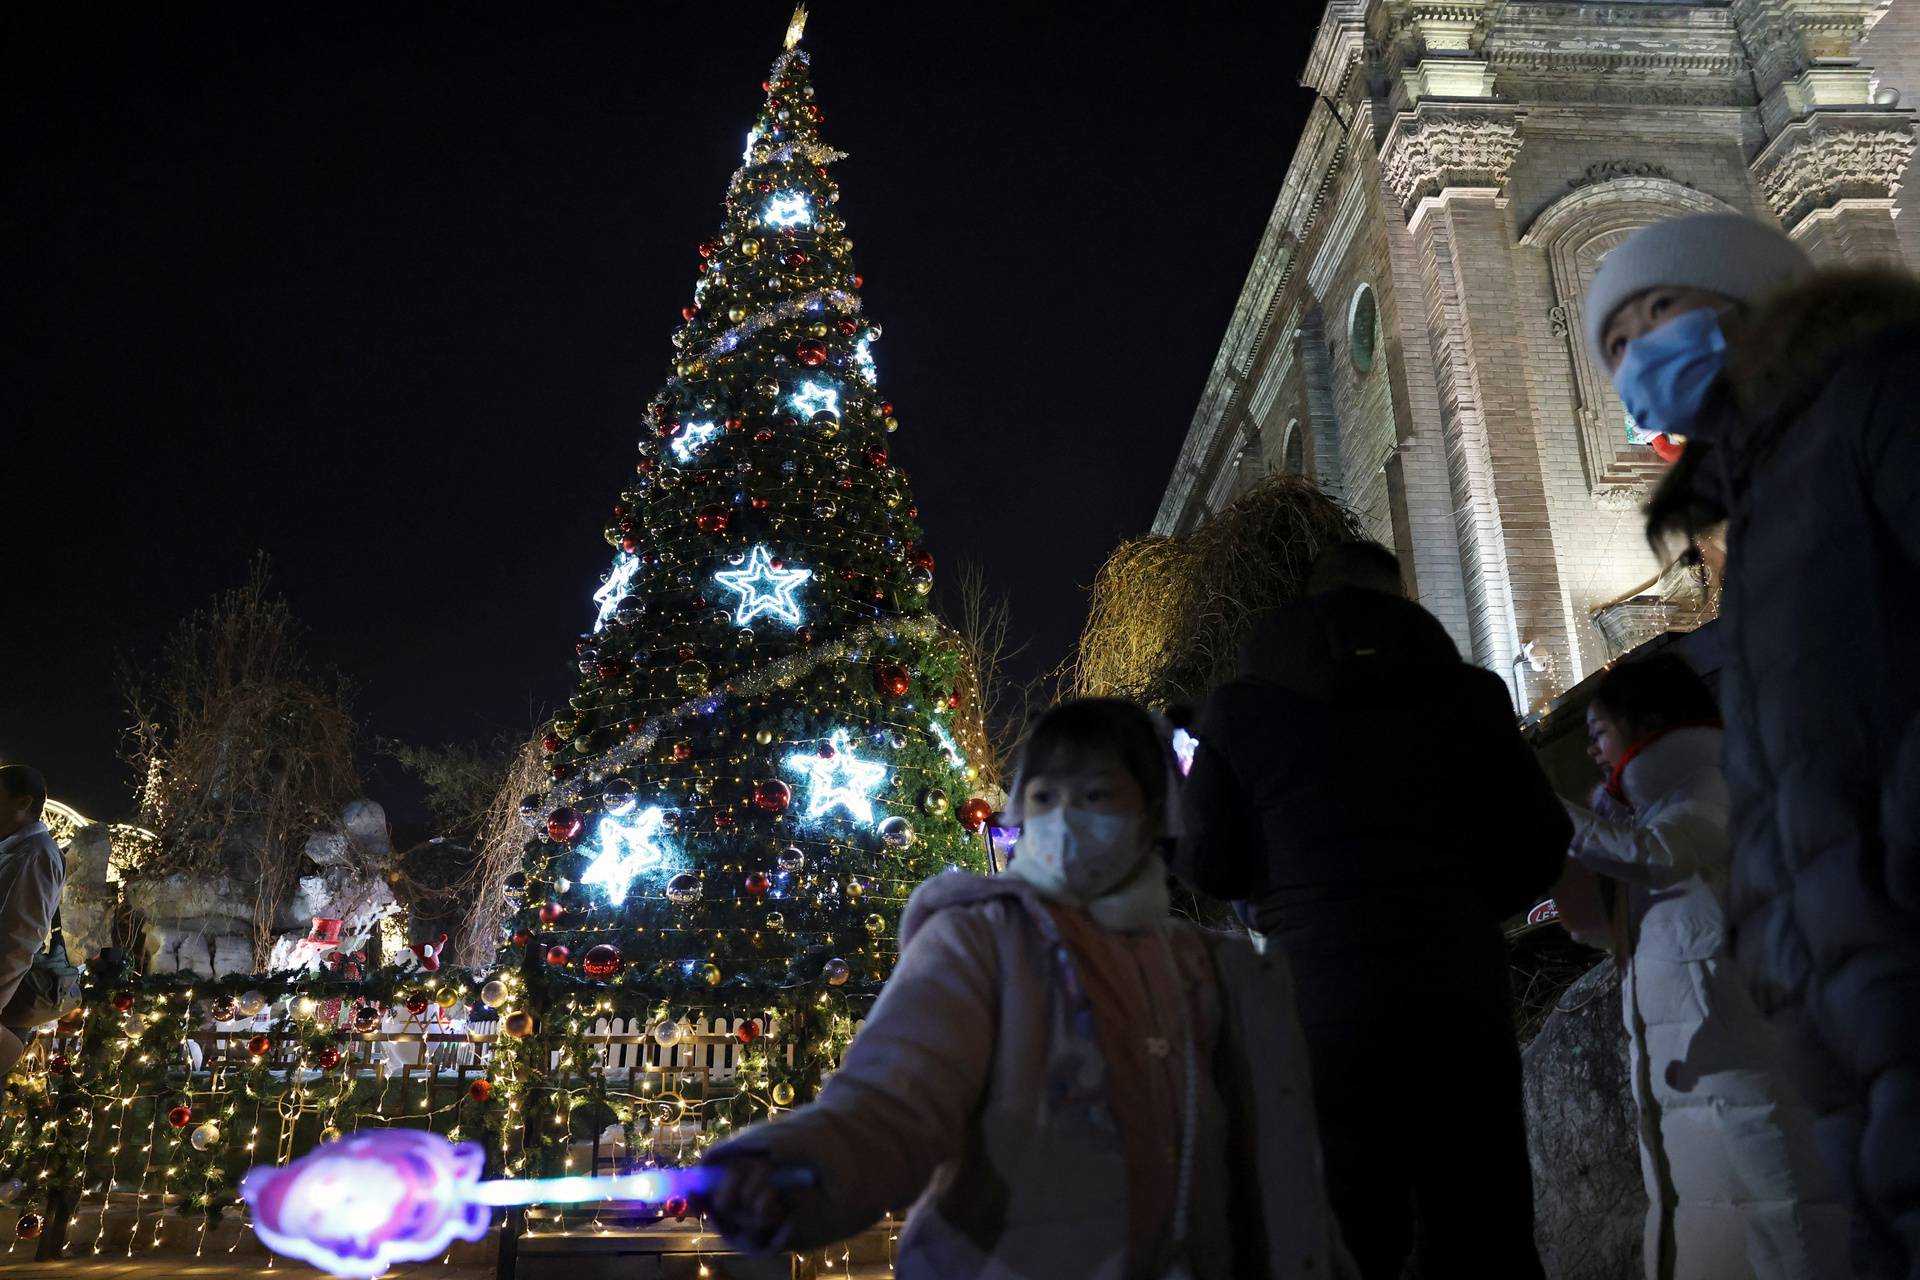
(357, 1206)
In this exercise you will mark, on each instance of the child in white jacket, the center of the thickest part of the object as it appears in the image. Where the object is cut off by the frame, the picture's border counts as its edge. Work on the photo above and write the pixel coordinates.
(1734, 1183)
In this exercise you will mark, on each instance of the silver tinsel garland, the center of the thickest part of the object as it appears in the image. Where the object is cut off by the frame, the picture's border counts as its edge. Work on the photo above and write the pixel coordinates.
(775, 675)
(791, 309)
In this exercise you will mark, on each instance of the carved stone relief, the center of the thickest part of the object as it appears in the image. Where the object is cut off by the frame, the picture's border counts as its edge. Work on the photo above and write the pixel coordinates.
(1430, 149)
(1815, 162)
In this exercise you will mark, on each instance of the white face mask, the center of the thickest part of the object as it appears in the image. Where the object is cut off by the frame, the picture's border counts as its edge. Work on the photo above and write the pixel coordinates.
(1078, 853)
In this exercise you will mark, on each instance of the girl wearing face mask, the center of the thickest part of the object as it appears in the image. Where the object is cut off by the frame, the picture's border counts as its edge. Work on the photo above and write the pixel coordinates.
(1798, 393)
(1734, 1185)
(1061, 1080)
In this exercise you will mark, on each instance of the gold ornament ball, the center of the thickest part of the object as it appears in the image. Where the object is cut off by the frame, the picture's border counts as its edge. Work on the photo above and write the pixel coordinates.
(518, 1024)
(750, 247)
(329, 1134)
(783, 1094)
(818, 328)
(710, 974)
(893, 423)
(763, 735)
(494, 993)
(447, 997)
(736, 314)
(876, 924)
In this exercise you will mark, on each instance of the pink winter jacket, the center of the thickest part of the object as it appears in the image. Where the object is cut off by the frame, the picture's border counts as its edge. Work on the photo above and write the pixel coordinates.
(973, 1089)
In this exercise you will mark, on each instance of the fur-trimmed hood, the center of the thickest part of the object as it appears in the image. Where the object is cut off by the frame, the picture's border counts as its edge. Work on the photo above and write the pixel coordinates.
(1780, 354)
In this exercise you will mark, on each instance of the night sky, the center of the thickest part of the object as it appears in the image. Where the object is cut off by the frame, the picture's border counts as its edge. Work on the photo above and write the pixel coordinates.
(382, 290)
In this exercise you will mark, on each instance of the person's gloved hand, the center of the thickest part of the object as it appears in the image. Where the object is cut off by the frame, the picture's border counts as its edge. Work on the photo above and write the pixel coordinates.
(747, 1206)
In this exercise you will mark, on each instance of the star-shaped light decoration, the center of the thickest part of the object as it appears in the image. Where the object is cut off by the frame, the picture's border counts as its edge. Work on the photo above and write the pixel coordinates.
(619, 583)
(764, 589)
(839, 781)
(694, 437)
(863, 360)
(948, 746)
(623, 847)
(787, 209)
(812, 397)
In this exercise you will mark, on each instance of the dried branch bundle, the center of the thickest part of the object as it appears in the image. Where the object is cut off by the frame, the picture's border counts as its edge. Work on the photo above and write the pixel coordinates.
(1169, 613)
(498, 850)
(991, 721)
(242, 749)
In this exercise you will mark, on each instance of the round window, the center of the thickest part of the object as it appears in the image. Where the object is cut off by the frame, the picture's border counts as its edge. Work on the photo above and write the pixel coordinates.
(1363, 328)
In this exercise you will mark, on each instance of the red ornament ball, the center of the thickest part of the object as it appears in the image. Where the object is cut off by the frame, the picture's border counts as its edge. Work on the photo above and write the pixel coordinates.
(723, 819)
(123, 1000)
(812, 353)
(953, 700)
(58, 1064)
(891, 679)
(417, 1004)
(521, 937)
(688, 313)
(481, 1090)
(877, 458)
(551, 743)
(804, 635)
(675, 1207)
(922, 557)
(565, 825)
(748, 1031)
(29, 1226)
(558, 955)
(709, 248)
(180, 1117)
(713, 519)
(329, 1058)
(259, 1046)
(772, 795)
(550, 913)
(603, 961)
(975, 813)
(683, 750)
(758, 883)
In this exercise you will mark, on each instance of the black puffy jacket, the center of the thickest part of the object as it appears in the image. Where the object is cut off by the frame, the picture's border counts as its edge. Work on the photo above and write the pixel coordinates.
(1812, 453)
(1368, 798)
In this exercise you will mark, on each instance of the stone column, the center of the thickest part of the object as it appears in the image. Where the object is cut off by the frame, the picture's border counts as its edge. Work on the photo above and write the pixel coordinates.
(1831, 180)
(1446, 163)
(1837, 143)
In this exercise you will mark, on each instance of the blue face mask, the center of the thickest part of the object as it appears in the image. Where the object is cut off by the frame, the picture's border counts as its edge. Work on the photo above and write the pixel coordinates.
(1664, 377)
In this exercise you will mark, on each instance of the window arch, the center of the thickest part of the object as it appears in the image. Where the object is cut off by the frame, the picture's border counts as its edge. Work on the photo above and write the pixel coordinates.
(1293, 450)
(1575, 232)
(1363, 328)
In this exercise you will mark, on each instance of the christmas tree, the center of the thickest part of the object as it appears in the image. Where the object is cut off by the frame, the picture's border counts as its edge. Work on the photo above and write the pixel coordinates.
(760, 761)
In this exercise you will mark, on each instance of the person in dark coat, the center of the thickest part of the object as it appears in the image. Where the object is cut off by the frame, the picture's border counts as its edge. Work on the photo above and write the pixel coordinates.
(1365, 799)
(1797, 393)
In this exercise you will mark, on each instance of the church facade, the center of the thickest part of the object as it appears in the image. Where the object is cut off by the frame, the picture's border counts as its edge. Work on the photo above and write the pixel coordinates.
(1409, 334)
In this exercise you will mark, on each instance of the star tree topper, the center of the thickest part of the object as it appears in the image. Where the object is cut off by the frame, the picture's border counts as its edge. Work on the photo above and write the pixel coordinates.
(764, 589)
(839, 781)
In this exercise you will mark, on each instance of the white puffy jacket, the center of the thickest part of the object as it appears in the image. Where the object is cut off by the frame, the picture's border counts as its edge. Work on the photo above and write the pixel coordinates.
(1734, 1184)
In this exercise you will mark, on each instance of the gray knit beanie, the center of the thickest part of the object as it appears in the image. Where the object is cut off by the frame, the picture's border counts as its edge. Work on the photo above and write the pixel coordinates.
(1727, 253)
